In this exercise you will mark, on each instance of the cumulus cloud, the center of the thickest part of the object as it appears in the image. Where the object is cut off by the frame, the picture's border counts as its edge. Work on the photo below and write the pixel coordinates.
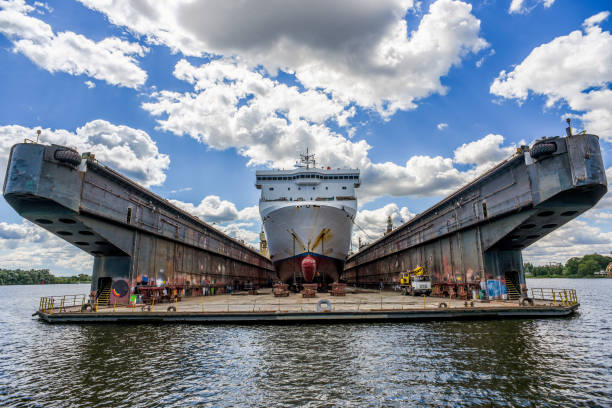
(28, 246)
(111, 59)
(576, 238)
(485, 152)
(575, 68)
(128, 150)
(242, 231)
(442, 126)
(372, 224)
(90, 84)
(241, 224)
(525, 6)
(356, 51)
(269, 123)
(213, 209)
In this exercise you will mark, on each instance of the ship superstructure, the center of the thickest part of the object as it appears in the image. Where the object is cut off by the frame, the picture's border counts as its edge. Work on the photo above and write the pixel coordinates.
(307, 216)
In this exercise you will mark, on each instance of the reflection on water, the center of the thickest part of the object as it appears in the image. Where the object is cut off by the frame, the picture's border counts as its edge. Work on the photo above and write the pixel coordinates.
(559, 362)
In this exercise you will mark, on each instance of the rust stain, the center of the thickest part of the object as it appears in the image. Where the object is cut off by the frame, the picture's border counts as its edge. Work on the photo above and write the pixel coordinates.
(297, 239)
(324, 235)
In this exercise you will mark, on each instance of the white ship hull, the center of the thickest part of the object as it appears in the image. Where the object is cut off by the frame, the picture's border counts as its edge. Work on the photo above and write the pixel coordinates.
(298, 229)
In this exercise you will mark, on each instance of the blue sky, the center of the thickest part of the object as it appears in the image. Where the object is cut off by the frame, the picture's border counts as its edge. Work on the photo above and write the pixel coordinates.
(191, 98)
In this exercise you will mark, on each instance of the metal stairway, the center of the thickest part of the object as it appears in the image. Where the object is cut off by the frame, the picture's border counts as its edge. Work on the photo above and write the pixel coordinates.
(513, 292)
(103, 297)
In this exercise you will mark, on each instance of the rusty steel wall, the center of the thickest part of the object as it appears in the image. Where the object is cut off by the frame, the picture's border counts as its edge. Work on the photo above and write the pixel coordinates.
(130, 231)
(476, 234)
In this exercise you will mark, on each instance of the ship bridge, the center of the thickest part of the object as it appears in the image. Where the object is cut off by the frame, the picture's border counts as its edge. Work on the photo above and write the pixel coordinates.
(472, 240)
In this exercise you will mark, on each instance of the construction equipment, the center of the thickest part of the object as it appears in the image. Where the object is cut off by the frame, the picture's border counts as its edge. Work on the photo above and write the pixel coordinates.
(415, 282)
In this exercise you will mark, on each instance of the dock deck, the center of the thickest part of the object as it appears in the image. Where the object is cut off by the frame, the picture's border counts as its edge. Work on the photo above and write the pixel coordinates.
(265, 309)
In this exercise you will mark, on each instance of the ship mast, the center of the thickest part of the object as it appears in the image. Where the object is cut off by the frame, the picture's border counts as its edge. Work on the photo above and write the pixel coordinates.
(307, 159)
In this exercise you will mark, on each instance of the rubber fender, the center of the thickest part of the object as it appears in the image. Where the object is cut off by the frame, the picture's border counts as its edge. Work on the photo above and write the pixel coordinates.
(526, 301)
(542, 149)
(442, 305)
(86, 307)
(326, 302)
(67, 156)
(171, 309)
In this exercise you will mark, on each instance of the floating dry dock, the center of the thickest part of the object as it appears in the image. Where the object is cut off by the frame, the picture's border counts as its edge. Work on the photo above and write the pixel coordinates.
(362, 307)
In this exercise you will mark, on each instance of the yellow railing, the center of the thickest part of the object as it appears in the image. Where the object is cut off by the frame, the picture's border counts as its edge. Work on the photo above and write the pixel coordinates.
(563, 297)
(51, 304)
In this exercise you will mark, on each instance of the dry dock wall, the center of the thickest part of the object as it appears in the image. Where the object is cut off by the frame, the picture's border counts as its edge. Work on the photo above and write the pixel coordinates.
(473, 238)
(130, 231)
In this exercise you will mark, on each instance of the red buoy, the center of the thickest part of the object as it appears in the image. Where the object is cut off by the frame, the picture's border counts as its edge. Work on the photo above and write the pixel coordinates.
(309, 268)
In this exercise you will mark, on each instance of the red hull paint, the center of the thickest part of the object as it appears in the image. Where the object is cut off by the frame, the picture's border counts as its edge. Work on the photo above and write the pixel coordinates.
(327, 269)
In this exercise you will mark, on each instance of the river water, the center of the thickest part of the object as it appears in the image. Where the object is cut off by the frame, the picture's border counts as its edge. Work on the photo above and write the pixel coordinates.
(545, 363)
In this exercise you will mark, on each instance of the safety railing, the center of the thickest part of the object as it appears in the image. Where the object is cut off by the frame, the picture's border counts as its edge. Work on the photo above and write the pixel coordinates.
(267, 306)
(53, 304)
(563, 297)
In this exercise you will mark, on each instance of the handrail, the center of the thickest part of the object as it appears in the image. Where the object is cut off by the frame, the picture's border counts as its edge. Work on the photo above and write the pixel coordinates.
(49, 304)
(564, 297)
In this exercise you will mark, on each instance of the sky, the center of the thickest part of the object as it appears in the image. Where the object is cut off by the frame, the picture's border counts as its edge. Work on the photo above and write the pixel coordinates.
(189, 98)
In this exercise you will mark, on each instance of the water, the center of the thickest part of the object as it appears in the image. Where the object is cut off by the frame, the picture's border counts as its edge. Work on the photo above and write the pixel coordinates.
(545, 363)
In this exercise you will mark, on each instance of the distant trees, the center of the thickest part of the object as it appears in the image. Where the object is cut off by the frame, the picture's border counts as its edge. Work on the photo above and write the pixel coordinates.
(37, 276)
(576, 267)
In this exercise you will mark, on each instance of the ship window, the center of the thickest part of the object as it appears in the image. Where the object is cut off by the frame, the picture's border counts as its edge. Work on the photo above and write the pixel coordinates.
(326, 188)
(274, 178)
(299, 188)
(335, 177)
(271, 188)
(344, 187)
(288, 188)
(129, 215)
(313, 188)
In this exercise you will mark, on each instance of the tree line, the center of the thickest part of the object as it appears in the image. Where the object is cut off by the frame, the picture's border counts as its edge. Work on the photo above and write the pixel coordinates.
(37, 277)
(577, 267)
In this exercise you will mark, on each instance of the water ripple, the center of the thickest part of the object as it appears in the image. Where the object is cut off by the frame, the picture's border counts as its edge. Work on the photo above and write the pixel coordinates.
(515, 363)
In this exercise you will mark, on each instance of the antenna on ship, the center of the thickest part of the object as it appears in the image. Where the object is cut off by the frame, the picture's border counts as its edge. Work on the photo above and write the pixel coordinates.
(308, 159)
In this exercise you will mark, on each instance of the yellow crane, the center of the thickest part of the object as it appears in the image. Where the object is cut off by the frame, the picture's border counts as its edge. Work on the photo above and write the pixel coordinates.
(415, 282)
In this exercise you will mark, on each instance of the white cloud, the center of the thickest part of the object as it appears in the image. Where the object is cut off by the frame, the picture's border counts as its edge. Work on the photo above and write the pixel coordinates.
(241, 232)
(90, 84)
(576, 238)
(525, 6)
(359, 51)
(213, 209)
(28, 246)
(241, 224)
(111, 60)
(269, 123)
(576, 68)
(130, 151)
(442, 126)
(485, 152)
(372, 224)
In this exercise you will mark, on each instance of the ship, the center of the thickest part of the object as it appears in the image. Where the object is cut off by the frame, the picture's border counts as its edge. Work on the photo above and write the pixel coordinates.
(307, 214)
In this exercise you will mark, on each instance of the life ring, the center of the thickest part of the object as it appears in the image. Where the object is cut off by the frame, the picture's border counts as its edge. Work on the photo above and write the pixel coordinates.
(526, 301)
(442, 305)
(171, 309)
(327, 303)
